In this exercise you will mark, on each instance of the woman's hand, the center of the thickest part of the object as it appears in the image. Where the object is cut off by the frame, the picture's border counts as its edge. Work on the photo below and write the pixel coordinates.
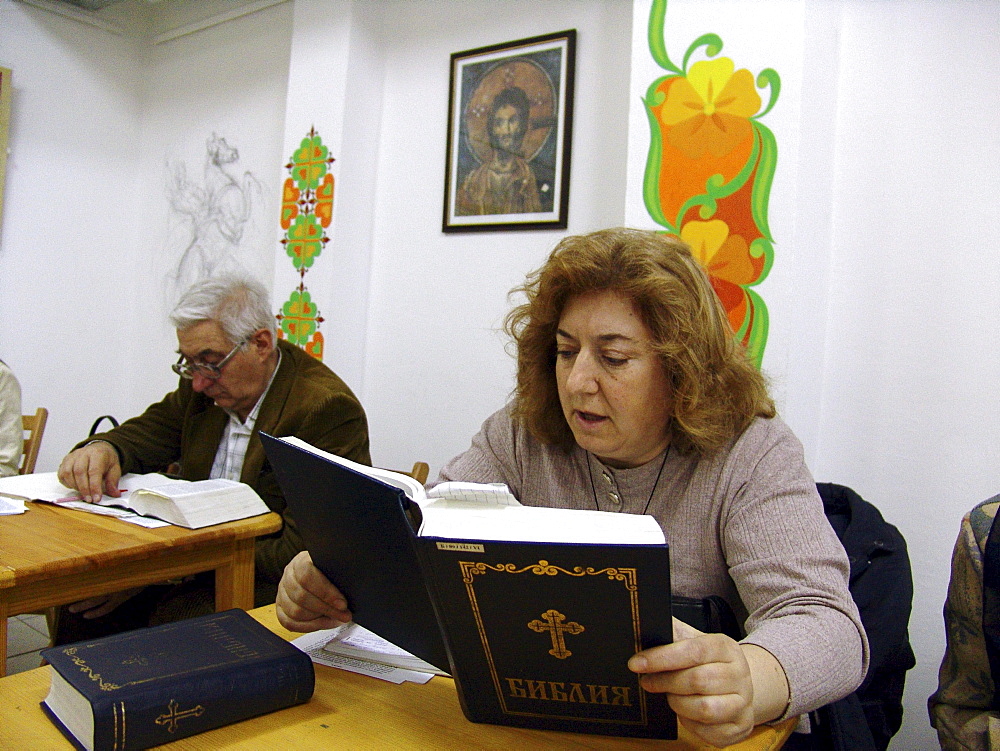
(306, 600)
(720, 689)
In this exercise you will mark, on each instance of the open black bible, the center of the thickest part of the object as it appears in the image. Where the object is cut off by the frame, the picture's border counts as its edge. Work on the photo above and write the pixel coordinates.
(535, 633)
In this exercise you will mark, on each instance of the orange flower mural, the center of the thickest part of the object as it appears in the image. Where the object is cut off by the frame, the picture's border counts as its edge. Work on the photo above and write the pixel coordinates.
(289, 203)
(730, 263)
(709, 110)
(709, 171)
(324, 200)
(306, 212)
(723, 255)
(309, 162)
(304, 241)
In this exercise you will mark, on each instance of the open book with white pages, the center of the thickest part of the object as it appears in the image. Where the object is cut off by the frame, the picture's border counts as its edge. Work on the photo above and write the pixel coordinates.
(480, 511)
(191, 504)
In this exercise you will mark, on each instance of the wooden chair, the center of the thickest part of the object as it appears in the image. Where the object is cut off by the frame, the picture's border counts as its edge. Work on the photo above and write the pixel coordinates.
(419, 472)
(34, 426)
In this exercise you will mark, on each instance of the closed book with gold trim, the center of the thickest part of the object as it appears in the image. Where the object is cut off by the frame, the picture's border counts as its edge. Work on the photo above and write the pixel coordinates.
(544, 631)
(533, 611)
(155, 685)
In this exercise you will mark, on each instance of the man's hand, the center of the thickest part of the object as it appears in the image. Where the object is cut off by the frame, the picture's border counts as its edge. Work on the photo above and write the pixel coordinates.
(307, 601)
(96, 607)
(719, 688)
(92, 470)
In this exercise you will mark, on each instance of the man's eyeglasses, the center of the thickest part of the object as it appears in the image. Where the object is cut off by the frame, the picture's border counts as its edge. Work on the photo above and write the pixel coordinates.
(210, 370)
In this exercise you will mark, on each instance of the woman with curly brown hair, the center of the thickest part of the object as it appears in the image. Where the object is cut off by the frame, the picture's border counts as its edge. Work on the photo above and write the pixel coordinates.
(632, 396)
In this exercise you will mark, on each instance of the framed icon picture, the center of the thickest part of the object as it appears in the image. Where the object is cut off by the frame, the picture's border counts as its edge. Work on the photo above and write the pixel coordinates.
(510, 118)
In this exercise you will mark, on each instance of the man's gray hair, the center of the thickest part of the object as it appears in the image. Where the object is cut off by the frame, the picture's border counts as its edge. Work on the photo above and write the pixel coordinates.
(239, 303)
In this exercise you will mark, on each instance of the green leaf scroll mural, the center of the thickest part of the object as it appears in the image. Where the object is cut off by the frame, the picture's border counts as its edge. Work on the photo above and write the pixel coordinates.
(306, 213)
(709, 171)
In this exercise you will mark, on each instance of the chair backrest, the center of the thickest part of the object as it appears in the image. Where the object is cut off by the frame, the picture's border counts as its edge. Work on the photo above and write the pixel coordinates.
(34, 427)
(419, 472)
(881, 584)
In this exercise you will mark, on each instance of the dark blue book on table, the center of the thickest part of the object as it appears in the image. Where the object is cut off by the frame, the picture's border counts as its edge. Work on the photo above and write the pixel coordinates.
(151, 686)
(535, 634)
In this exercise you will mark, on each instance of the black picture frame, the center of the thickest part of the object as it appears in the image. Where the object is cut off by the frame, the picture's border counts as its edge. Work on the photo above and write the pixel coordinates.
(505, 171)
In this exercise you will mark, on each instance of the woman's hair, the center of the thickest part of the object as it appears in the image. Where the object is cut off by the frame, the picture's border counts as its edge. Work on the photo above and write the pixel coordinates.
(238, 303)
(716, 390)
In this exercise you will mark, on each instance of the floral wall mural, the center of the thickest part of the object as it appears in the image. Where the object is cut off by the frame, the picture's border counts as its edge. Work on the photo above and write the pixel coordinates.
(306, 213)
(709, 170)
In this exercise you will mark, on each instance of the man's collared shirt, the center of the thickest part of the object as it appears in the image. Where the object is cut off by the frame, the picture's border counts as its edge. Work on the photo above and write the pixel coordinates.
(232, 449)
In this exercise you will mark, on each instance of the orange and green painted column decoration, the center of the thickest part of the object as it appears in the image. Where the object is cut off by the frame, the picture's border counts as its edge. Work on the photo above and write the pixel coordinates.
(709, 171)
(306, 213)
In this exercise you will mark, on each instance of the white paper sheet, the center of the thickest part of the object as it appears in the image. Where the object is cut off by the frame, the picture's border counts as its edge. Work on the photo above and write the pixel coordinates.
(312, 644)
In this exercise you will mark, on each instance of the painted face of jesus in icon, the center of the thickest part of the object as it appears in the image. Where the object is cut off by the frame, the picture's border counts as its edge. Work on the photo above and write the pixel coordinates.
(507, 122)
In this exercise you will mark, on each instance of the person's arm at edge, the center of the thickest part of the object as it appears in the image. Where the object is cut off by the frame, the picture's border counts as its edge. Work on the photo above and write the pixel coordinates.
(11, 432)
(802, 612)
(959, 708)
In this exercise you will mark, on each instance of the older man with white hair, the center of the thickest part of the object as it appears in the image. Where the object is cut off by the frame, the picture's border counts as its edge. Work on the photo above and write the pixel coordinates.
(236, 379)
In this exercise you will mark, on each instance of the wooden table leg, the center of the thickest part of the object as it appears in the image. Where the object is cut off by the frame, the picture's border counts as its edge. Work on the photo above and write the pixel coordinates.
(3, 638)
(234, 581)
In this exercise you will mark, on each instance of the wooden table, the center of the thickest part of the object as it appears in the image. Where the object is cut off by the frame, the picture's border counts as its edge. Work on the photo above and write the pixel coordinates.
(54, 556)
(348, 711)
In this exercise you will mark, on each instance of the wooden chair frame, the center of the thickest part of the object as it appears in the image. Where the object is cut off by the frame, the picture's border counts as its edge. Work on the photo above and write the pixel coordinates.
(419, 472)
(34, 426)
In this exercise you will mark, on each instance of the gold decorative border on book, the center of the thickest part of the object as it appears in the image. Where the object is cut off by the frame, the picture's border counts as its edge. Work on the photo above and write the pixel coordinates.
(626, 575)
(88, 671)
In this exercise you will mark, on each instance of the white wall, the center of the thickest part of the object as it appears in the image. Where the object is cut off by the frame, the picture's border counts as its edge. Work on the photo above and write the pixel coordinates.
(88, 238)
(882, 207)
(411, 315)
(910, 409)
(70, 220)
(886, 263)
(435, 366)
(335, 91)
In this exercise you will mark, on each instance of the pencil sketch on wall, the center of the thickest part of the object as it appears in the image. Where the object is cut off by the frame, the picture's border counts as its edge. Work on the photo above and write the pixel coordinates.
(213, 219)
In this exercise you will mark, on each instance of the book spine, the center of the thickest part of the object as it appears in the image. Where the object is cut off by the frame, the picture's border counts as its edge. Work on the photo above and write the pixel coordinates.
(425, 562)
(190, 705)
